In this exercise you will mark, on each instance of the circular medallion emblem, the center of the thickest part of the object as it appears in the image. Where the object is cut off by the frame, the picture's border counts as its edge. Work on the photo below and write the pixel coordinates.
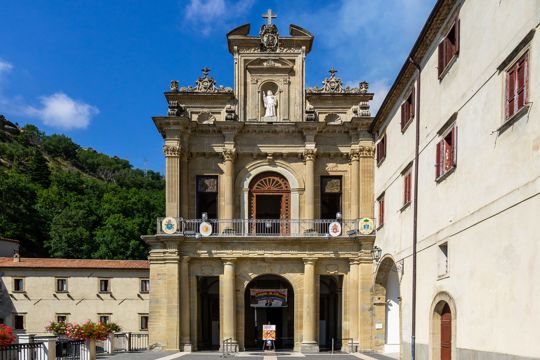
(169, 225)
(334, 229)
(205, 228)
(365, 226)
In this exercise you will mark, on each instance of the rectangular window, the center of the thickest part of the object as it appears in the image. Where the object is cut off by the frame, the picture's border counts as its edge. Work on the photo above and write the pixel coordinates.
(407, 186)
(381, 150)
(207, 196)
(61, 285)
(517, 86)
(449, 48)
(446, 153)
(143, 322)
(61, 318)
(330, 196)
(18, 322)
(380, 201)
(407, 111)
(104, 319)
(104, 285)
(443, 259)
(18, 285)
(145, 286)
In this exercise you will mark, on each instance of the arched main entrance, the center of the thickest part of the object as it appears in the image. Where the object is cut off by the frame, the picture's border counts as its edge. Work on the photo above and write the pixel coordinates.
(265, 303)
(269, 198)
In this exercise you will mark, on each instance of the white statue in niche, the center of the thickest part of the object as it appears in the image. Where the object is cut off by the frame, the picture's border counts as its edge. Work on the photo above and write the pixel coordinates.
(270, 104)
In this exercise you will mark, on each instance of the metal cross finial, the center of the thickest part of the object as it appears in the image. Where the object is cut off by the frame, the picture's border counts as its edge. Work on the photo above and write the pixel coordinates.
(269, 16)
(332, 71)
(205, 70)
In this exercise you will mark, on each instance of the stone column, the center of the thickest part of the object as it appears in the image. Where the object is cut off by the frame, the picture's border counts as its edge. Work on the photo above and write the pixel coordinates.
(365, 298)
(172, 151)
(185, 324)
(353, 301)
(309, 321)
(228, 184)
(229, 300)
(164, 303)
(184, 185)
(309, 192)
(367, 164)
(354, 157)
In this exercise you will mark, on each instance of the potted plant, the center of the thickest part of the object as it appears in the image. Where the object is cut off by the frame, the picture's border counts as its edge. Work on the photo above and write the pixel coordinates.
(57, 328)
(6, 336)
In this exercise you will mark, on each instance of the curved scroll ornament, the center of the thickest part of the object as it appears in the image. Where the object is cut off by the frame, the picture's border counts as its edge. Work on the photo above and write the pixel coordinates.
(367, 151)
(310, 154)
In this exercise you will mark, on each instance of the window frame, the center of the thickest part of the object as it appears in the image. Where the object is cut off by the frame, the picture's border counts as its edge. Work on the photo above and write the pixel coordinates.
(322, 178)
(56, 282)
(408, 108)
(107, 315)
(380, 204)
(444, 63)
(441, 172)
(66, 315)
(407, 186)
(141, 316)
(443, 261)
(23, 315)
(381, 149)
(108, 291)
(522, 56)
(141, 290)
(23, 282)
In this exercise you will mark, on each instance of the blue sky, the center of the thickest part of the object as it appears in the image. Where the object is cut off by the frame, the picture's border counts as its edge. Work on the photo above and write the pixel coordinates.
(96, 70)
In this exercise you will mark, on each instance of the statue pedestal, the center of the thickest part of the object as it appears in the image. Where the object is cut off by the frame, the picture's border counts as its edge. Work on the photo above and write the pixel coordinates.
(269, 118)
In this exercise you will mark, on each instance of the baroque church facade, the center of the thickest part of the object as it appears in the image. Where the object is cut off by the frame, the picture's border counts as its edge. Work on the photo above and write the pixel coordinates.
(269, 205)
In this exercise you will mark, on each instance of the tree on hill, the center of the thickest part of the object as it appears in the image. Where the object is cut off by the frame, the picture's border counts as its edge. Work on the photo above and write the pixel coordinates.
(38, 170)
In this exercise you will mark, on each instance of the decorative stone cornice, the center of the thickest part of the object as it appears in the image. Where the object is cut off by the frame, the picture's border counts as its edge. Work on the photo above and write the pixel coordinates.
(367, 151)
(229, 154)
(228, 260)
(310, 154)
(310, 260)
(172, 150)
(334, 85)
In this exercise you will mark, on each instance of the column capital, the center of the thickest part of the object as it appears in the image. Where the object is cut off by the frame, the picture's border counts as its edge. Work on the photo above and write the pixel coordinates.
(354, 154)
(366, 151)
(310, 154)
(309, 260)
(229, 154)
(185, 259)
(229, 260)
(172, 150)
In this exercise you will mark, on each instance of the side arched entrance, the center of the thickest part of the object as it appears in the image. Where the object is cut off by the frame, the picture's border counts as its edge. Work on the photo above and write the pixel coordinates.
(269, 299)
(387, 307)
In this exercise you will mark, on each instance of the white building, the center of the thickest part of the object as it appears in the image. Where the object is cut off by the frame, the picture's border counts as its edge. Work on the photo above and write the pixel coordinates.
(478, 209)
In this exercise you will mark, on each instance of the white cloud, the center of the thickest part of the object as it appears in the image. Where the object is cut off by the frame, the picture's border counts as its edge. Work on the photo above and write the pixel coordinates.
(60, 111)
(5, 66)
(208, 15)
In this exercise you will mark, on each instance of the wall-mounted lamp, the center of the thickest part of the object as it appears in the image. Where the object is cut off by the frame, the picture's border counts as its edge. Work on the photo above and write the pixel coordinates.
(376, 253)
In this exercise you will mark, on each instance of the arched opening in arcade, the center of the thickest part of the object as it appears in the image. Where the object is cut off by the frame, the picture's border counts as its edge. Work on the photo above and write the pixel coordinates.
(387, 307)
(269, 300)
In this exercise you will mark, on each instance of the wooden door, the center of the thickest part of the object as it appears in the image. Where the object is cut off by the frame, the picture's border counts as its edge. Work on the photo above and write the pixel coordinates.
(446, 333)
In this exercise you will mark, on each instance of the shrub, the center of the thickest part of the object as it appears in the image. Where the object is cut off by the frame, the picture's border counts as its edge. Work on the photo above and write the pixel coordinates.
(6, 336)
(57, 328)
(88, 330)
(113, 327)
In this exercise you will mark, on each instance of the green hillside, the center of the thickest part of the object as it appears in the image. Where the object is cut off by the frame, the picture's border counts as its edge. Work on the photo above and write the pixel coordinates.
(61, 200)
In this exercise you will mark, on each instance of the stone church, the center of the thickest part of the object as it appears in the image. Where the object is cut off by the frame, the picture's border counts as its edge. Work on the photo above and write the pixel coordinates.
(269, 205)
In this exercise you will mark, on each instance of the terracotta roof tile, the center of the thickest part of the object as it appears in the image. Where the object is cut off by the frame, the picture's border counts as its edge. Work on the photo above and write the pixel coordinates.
(9, 262)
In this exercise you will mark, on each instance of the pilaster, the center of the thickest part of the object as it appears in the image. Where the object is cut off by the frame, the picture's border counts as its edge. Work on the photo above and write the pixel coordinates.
(367, 164)
(309, 180)
(185, 319)
(353, 301)
(354, 157)
(172, 151)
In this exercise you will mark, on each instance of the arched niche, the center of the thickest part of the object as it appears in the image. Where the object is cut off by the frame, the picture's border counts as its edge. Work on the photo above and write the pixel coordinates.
(266, 86)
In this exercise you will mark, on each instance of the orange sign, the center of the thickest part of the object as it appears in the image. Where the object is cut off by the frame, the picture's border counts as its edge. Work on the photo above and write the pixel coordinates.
(269, 332)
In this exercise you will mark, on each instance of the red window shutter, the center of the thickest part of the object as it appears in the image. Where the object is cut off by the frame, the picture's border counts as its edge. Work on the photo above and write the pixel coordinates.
(438, 160)
(384, 146)
(441, 57)
(457, 35)
(403, 114)
(454, 145)
(511, 92)
(448, 156)
(378, 152)
(526, 67)
(412, 104)
(520, 88)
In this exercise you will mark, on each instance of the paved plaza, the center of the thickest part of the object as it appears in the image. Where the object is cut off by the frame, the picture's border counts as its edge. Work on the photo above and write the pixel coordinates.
(249, 355)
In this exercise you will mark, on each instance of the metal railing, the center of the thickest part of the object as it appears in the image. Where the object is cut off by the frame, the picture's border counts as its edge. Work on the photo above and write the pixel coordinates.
(264, 227)
(30, 351)
(228, 348)
(138, 342)
(71, 350)
(338, 344)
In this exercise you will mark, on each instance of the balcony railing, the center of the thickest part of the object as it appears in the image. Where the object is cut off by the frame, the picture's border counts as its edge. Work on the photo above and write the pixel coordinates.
(262, 227)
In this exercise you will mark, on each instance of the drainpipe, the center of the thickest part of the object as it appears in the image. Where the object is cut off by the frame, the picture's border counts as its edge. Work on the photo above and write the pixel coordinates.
(415, 209)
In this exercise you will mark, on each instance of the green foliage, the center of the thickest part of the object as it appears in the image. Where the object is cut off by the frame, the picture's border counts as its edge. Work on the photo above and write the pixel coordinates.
(113, 327)
(64, 201)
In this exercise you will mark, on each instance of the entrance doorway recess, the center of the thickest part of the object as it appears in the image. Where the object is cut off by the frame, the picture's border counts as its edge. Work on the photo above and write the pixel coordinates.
(208, 312)
(330, 310)
(256, 316)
